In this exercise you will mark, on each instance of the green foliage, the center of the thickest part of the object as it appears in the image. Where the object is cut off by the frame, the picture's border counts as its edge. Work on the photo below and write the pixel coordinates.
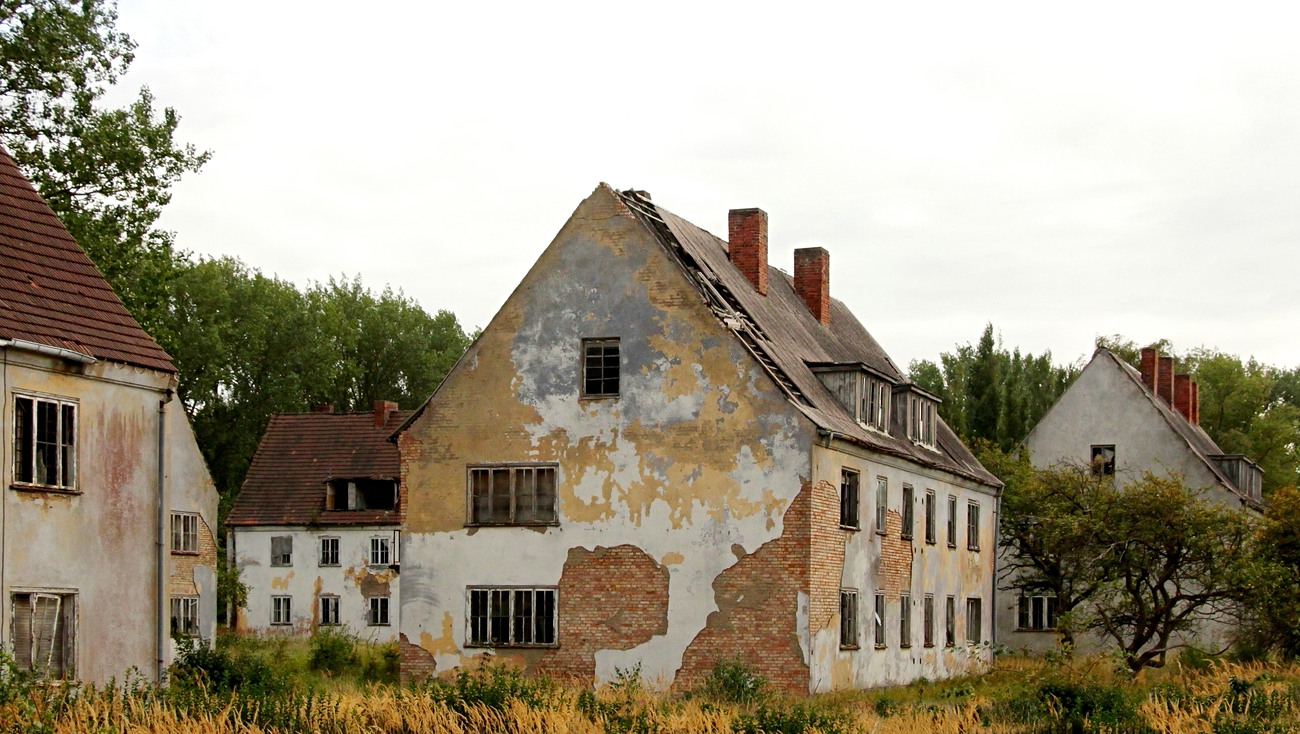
(793, 718)
(106, 172)
(1273, 611)
(333, 650)
(493, 686)
(732, 681)
(1096, 703)
(230, 590)
(990, 393)
(221, 668)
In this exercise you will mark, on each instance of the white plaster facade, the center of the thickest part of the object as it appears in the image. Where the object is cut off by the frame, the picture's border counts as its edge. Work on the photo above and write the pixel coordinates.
(353, 580)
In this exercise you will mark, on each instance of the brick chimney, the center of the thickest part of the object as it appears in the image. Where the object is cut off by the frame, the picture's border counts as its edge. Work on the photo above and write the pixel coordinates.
(322, 408)
(1183, 396)
(1196, 403)
(1165, 383)
(747, 245)
(383, 408)
(1150, 367)
(812, 281)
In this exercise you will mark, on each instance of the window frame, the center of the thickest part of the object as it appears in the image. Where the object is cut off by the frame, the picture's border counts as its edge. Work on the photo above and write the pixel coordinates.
(281, 610)
(380, 552)
(64, 636)
(931, 533)
(849, 639)
(602, 343)
(329, 603)
(952, 521)
(284, 559)
(322, 559)
(65, 444)
(186, 608)
(472, 639)
(882, 505)
(850, 499)
(927, 611)
(909, 512)
(186, 537)
(1103, 467)
(974, 620)
(873, 403)
(905, 620)
(1036, 613)
(515, 469)
(950, 621)
(377, 612)
(972, 525)
(879, 610)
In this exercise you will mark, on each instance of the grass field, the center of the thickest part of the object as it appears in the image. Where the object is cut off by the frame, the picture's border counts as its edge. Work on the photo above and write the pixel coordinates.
(336, 684)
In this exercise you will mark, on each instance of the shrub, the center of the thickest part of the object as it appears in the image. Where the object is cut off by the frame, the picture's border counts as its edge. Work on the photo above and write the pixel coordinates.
(217, 668)
(382, 664)
(732, 681)
(793, 718)
(1097, 703)
(333, 651)
(494, 686)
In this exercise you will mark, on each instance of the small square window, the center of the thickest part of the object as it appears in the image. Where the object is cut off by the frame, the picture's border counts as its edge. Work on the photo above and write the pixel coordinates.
(849, 499)
(1103, 460)
(329, 551)
(378, 616)
(848, 619)
(329, 610)
(600, 368)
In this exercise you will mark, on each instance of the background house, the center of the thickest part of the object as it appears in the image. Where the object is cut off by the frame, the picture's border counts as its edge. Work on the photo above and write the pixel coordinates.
(1125, 422)
(664, 452)
(314, 531)
(107, 511)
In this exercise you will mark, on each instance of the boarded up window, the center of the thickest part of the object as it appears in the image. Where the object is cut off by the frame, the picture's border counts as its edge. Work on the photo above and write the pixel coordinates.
(43, 633)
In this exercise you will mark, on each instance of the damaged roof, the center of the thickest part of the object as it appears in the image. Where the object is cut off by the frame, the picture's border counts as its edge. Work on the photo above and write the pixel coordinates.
(785, 337)
(300, 452)
(51, 293)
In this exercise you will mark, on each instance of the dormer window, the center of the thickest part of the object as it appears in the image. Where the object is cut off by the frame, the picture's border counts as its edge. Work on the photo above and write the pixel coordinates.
(361, 494)
(915, 416)
(873, 407)
(864, 393)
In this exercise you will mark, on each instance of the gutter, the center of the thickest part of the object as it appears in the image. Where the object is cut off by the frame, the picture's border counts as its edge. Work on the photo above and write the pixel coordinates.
(61, 352)
(163, 608)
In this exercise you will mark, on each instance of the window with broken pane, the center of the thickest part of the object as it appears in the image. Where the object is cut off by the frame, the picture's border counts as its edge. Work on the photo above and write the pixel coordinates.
(43, 632)
(513, 494)
(45, 438)
(329, 610)
(379, 552)
(378, 611)
(512, 616)
(185, 616)
(600, 368)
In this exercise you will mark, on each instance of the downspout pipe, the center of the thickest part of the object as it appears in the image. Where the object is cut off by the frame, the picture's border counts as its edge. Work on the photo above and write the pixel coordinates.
(163, 608)
(997, 550)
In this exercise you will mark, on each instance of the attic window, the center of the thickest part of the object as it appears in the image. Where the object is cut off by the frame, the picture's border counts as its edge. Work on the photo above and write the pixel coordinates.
(920, 420)
(873, 408)
(361, 494)
(1103, 460)
(600, 365)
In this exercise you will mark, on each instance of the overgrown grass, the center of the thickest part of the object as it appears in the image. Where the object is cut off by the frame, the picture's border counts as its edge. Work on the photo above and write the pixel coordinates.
(248, 685)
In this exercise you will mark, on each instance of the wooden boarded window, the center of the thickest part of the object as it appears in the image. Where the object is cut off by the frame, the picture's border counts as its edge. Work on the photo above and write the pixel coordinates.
(43, 633)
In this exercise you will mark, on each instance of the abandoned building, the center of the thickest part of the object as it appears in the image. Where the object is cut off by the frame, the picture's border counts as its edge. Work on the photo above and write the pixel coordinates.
(664, 452)
(108, 511)
(314, 531)
(1125, 422)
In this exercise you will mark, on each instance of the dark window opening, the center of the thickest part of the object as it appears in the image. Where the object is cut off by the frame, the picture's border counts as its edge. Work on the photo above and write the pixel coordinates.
(600, 368)
(43, 633)
(848, 619)
(1103, 460)
(521, 494)
(361, 494)
(510, 617)
(849, 491)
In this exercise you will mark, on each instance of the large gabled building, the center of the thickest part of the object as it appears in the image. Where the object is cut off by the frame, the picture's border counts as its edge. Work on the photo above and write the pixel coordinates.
(664, 452)
(107, 511)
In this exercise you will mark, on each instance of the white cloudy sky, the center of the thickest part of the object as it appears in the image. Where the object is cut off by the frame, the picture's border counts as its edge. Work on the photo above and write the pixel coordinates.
(1062, 172)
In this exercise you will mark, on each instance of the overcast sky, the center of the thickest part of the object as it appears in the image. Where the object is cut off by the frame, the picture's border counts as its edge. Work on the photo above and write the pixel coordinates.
(1062, 173)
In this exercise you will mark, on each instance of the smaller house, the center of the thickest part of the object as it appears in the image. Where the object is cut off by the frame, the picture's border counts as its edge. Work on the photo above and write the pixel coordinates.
(314, 531)
(1125, 422)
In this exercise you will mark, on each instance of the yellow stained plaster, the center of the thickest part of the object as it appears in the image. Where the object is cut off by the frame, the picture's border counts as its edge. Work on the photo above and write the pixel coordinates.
(281, 583)
(672, 558)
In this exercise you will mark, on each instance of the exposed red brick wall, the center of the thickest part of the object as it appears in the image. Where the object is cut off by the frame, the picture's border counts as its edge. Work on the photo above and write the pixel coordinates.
(758, 602)
(747, 245)
(812, 280)
(895, 574)
(609, 599)
(826, 559)
(183, 564)
(414, 661)
(1183, 396)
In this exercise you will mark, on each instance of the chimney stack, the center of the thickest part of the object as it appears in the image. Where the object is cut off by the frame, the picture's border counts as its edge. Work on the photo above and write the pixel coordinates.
(1196, 403)
(1150, 367)
(1183, 396)
(1165, 383)
(747, 245)
(812, 281)
(383, 408)
(322, 408)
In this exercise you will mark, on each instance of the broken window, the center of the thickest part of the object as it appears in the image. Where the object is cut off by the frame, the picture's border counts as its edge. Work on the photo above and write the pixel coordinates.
(880, 620)
(927, 611)
(379, 552)
(329, 551)
(920, 423)
(849, 499)
(329, 610)
(185, 532)
(974, 620)
(515, 494)
(973, 526)
(185, 616)
(1037, 613)
(905, 620)
(950, 622)
(882, 503)
(848, 619)
(600, 366)
(361, 494)
(929, 516)
(909, 519)
(45, 437)
(282, 550)
(378, 616)
(43, 633)
(952, 521)
(281, 610)
(511, 617)
(1103, 460)
(874, 409)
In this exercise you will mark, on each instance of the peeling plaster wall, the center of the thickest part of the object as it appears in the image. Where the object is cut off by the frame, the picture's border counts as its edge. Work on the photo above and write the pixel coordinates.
(694, 466)
(100, 543)
(354, 581)
(890, 564)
